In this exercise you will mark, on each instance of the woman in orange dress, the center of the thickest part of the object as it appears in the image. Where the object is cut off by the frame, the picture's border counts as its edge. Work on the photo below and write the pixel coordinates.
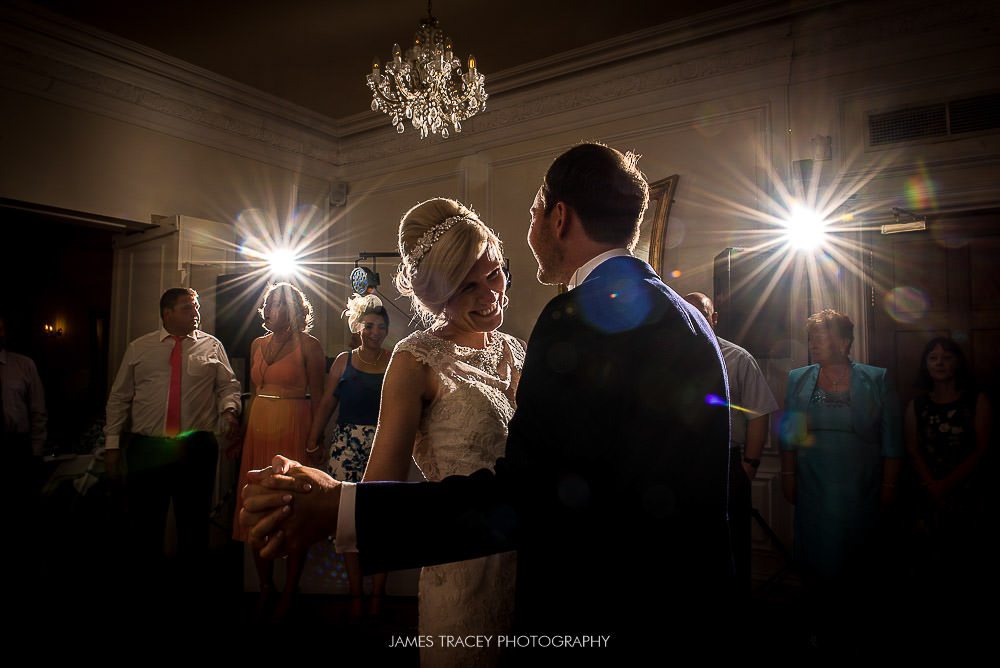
(286, 375)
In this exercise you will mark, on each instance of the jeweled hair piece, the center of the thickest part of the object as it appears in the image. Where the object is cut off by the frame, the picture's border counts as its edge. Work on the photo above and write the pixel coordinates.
(428, 239)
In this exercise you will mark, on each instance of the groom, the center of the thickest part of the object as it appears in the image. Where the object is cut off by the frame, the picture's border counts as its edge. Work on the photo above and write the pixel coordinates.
(613, 485)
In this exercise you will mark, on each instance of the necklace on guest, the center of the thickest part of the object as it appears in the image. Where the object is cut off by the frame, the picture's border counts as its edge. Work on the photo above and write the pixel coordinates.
(834, 380)
(364, 361)
(269, 351)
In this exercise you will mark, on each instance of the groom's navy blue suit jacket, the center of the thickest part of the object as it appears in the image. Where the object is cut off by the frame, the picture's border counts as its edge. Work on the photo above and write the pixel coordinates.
(613, 485)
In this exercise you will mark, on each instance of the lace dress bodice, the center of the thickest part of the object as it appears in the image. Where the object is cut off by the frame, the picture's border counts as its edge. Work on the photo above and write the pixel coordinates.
(464, 428)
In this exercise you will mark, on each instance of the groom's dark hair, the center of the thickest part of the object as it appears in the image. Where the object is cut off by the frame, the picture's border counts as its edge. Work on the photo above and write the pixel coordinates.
(603, 186)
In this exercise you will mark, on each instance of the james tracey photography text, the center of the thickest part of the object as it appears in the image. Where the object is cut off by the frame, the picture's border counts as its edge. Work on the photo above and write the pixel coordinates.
(499, 641)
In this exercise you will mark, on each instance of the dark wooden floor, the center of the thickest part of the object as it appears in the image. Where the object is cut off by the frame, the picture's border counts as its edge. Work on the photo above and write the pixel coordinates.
(65, 572)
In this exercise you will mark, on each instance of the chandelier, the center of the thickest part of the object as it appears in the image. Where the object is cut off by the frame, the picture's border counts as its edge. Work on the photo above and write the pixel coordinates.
(427, 87)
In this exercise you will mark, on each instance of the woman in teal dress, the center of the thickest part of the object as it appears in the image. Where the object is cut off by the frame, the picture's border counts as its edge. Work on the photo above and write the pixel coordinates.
(841, 454)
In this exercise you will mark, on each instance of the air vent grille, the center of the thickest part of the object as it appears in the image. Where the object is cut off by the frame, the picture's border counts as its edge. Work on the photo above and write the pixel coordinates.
(975, 114)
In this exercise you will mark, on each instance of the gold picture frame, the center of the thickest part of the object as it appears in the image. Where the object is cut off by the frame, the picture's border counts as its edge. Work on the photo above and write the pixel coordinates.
(651, 246)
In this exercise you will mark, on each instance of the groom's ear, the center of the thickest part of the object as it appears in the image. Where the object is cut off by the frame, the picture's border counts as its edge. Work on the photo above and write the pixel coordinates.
(561, 220)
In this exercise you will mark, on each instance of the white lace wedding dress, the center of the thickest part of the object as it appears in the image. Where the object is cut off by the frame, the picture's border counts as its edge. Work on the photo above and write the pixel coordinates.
(464, 429)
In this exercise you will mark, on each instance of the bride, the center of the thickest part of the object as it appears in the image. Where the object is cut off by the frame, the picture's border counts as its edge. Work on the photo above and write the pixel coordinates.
(448, 395)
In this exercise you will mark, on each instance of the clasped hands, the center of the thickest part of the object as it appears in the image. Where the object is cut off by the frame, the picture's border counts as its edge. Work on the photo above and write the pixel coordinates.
(287, 507)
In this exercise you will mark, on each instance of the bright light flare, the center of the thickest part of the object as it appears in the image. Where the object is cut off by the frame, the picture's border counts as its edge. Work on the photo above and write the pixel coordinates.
(805, 229)
(283, 262)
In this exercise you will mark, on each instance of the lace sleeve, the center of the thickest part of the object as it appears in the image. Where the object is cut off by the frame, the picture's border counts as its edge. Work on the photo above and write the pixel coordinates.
(426, 349)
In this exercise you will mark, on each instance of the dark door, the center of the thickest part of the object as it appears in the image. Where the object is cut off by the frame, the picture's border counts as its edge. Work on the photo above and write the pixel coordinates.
(944, 281)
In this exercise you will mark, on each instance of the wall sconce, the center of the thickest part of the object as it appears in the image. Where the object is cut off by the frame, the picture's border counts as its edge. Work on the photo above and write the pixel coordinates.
(51, 330)
(905, 221)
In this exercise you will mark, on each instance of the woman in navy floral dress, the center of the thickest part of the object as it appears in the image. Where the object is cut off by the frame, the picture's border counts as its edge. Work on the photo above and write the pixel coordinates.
(354, 383)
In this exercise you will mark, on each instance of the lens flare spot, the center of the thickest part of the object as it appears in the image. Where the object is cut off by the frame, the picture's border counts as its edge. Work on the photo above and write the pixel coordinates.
(675, 233)
(614, 295)
(716, 400)
(676, 273)
(906, 304)
(920, 192)
(804, 229)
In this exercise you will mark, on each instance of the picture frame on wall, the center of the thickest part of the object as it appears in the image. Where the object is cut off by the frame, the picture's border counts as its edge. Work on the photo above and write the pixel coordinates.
(652, 244)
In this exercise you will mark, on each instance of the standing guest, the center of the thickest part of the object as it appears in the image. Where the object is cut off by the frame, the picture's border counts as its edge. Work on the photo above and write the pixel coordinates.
(354, 384)
(22, 409)
(286, 379)
(751, 404)
(947, 430)
(175, 388)
(841, 455)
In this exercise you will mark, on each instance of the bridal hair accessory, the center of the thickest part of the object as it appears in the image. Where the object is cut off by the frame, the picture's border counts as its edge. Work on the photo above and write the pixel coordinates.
(429, 238)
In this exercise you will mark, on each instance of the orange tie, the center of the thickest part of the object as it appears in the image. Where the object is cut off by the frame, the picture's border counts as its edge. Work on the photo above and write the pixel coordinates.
(173, 424)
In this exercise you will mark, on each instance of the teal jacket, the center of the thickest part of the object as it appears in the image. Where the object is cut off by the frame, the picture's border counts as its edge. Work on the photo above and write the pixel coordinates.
(874, 407)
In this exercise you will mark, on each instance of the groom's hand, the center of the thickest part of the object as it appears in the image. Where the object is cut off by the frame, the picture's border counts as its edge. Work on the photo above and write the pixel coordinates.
(289, 512)
(264, 494)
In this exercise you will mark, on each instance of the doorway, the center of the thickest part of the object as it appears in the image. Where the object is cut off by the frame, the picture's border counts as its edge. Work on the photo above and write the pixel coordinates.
(943, 281)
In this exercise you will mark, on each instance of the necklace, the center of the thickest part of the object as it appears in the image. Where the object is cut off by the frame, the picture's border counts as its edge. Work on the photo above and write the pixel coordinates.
(364, 361)
(834, 380)
(269, 352)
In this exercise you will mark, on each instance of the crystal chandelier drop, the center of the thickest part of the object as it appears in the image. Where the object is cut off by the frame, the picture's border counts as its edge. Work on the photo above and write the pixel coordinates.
(427, 86)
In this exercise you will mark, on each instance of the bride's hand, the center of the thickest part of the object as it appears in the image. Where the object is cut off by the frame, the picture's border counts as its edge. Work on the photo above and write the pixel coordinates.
(307, 513)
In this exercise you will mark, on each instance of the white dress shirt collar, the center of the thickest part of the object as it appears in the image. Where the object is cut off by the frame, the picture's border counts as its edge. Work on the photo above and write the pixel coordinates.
(164, 334)
(581, 274)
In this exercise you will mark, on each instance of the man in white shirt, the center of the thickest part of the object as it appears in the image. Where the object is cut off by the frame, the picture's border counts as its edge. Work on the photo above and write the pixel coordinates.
(22, 415)
(22, 399)
(751, 404)
(176, 389)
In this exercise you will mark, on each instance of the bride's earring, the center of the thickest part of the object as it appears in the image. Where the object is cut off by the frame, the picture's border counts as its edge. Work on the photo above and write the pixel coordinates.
(505, 302)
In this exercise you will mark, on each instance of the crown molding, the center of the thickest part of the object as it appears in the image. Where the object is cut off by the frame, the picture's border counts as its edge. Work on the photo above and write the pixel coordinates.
(48, 56)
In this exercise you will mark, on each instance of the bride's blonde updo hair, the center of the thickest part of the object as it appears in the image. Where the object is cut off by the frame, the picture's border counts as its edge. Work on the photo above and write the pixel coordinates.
(439, 241)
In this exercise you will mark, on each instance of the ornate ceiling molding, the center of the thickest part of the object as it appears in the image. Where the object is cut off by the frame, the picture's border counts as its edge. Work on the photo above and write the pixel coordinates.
(90, 72)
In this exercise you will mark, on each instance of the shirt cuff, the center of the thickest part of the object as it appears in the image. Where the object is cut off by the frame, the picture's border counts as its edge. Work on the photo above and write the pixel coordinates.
(347, 531)
(111, 442)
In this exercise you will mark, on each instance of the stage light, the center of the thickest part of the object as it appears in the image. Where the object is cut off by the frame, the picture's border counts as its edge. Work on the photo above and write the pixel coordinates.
(805, 229)
(283, 262)
(364, 280)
